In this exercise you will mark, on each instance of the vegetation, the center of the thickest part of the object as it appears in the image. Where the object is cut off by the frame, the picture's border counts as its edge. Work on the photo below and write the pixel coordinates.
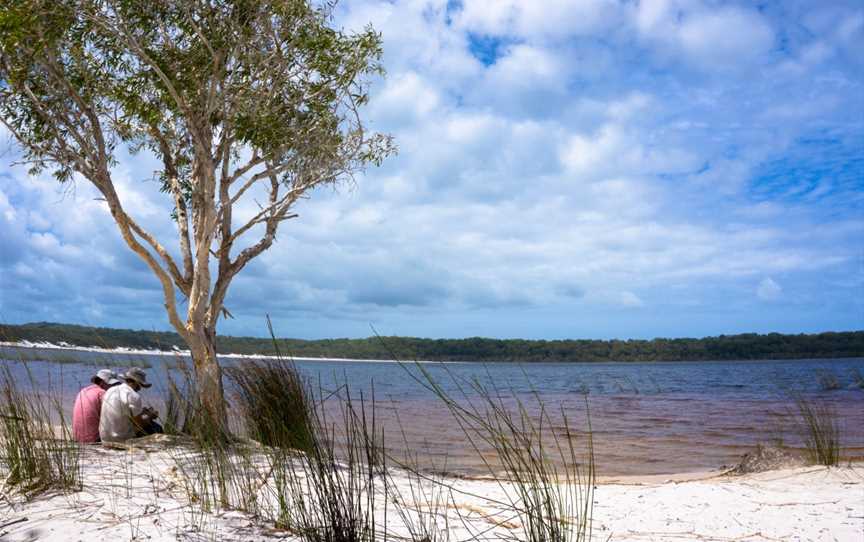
(274, 404)
(316, 477)
(34, 456)
(724, 347)
(330, 493)
(237, 102)
(550, 488)
(820, 429)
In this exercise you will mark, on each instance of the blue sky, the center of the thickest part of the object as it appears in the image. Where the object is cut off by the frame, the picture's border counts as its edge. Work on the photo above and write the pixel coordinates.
(567, 169)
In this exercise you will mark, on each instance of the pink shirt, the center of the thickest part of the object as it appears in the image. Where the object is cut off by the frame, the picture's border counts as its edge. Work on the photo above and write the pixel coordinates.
(85, 414)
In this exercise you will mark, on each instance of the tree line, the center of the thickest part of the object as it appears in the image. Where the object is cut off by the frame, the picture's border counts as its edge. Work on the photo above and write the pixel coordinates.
(746, 346)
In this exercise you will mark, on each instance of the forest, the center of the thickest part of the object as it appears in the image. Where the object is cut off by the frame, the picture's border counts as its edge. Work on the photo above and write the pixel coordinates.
(747, 346)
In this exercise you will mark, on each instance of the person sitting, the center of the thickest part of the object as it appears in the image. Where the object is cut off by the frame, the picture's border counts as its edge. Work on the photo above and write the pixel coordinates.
(88, 407)
(124, 415)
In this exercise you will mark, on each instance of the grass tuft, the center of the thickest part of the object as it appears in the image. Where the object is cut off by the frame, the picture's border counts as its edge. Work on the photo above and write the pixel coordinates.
(35, 454)
(536, 464)
(820, 429)
(274, 404)
(857, 378)
(828, 380)
(328, 493)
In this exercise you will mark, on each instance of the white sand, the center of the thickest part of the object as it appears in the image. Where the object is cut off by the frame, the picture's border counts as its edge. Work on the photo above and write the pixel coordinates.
(139, 495)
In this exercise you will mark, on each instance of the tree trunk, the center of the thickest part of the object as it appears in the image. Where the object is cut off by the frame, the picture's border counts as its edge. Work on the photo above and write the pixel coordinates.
(208, 375)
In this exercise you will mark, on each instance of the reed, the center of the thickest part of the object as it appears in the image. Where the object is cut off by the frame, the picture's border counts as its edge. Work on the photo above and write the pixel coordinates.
(827, 380)
(37, 451)
(325, 470)
(857, 378)
(819, 426)
(328, 492)
(218, 471)
(313, 473)
(547, 486)
(180, 401)
(274, 404)
(421, 501)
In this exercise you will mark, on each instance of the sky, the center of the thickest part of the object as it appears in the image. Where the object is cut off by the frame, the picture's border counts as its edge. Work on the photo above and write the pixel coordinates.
(566, 169)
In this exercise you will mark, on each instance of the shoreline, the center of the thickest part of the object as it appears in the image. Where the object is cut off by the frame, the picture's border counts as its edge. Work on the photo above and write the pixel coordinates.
(178, 352)
(137, 492)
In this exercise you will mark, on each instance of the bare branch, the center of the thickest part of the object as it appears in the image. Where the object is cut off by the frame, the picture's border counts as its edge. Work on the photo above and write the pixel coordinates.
(180, 205)
(160, 250)
(127, 226)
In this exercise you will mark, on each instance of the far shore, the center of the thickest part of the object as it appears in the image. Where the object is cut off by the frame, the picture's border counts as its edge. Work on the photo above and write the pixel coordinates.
(180, 352)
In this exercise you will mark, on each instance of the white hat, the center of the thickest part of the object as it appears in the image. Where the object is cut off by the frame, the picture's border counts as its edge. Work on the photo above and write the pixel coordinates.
(107, 376)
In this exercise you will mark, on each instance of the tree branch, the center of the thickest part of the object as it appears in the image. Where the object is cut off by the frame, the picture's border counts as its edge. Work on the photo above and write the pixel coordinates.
(127, 226)
(180, 204)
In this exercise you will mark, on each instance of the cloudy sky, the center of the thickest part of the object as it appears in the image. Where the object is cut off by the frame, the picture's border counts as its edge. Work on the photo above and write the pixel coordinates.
(567, 169)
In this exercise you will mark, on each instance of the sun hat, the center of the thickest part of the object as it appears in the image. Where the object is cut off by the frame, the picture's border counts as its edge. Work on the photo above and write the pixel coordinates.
(137, 374)
(107, 376)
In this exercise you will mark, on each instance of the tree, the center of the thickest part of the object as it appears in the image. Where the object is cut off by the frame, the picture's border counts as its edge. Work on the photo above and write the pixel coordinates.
(233, 97)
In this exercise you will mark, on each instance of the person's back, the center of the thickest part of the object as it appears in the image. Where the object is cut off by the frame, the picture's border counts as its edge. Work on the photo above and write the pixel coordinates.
(86, 414)
(119, 405)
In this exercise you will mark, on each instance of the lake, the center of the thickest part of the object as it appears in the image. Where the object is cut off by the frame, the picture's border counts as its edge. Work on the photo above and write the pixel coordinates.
(646, 418)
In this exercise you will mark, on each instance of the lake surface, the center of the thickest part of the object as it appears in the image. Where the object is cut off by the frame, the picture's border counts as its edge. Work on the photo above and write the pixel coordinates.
(646, 418)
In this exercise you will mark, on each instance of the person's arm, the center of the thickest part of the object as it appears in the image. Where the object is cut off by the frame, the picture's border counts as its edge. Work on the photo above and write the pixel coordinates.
(140, 421)
(136, 411)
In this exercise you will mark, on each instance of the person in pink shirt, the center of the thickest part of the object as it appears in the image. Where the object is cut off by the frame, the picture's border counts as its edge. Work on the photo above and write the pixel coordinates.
(88, 406)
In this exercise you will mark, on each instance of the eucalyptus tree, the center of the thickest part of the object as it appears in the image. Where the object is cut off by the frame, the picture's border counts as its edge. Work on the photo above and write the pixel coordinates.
(235, 98)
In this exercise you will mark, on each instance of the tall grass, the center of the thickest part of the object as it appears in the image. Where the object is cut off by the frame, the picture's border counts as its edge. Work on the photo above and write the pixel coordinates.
(819, 426)
(37, 451)
(313, 471)
(328, 493)
(421, 500)
(219, 471)
(274, 403)
(549, 487)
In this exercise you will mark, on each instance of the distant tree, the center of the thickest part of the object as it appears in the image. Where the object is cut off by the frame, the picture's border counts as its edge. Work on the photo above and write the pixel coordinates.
(232, 96)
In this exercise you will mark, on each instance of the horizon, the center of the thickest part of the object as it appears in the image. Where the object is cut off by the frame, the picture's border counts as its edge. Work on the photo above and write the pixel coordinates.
(553, 339)
(615, 170)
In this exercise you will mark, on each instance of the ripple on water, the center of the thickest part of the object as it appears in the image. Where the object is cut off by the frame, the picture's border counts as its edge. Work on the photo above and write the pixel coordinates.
(647, 418)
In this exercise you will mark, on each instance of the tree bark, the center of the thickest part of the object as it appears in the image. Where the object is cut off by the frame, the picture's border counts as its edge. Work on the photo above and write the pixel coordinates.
(208, 375)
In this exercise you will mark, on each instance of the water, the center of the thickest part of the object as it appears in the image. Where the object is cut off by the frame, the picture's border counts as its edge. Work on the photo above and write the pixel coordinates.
(646, 418)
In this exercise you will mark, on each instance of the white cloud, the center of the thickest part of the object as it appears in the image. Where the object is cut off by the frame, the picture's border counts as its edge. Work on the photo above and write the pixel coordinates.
(553, 19)
(629, 299)
(595, 162)
(615, 150)
(405, 98)
(710, 37)
(769, 290)
(728, 35)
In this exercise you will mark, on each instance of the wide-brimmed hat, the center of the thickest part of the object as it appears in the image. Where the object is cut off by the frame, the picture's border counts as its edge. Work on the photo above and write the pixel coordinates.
(107, 376)
(138, 375)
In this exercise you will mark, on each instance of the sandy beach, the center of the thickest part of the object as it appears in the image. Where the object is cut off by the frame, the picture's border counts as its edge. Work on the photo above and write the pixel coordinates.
(137, 494)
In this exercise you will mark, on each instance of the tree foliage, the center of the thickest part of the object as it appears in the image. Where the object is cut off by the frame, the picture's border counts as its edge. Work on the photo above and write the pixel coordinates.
(233, 97)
